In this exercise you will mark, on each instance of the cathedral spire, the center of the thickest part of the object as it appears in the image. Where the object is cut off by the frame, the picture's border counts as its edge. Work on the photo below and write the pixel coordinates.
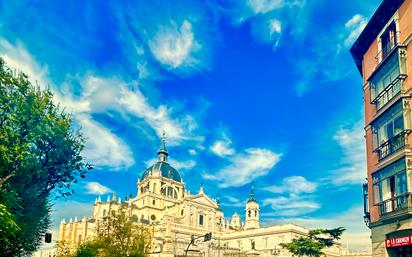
(218, 202)
(162, 153)
(252, 195)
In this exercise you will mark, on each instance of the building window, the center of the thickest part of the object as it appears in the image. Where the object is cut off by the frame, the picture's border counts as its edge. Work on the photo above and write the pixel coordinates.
(365, 199)
(388, 131)
(248, 213)
(170, 192)
(390, 187)
(201, 219)
(255, 213)
(388, 40)
(154, 202)
(182, 212)
(153, 217)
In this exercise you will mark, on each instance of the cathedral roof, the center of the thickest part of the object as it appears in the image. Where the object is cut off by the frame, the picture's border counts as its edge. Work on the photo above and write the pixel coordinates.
(166, 170)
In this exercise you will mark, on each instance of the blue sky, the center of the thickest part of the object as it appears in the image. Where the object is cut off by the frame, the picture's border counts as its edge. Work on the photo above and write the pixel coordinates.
(261, 91)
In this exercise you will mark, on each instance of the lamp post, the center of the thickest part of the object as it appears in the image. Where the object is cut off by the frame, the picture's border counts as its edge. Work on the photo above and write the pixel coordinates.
(206, 237)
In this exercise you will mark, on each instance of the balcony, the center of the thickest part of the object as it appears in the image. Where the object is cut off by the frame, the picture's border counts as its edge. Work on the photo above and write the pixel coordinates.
(391, 43)
(391, 91)
(387, 79)
(396, 204)
(392, 145)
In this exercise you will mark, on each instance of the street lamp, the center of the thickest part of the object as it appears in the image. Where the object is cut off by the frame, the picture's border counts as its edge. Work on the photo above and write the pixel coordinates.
(367, 219)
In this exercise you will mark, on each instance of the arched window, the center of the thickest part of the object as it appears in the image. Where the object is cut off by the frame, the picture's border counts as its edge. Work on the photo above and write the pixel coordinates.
(255, 213)
(154, 202)
(201, 219)
(248, 213)
(170, 192)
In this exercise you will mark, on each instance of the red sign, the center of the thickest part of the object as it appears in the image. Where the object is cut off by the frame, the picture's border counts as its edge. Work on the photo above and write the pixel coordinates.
(399, 241)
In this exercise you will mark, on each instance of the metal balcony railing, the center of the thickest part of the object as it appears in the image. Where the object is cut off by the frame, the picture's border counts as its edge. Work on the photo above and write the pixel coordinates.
(388, 47)
(392, 90)
(392, 145)
(395, 204)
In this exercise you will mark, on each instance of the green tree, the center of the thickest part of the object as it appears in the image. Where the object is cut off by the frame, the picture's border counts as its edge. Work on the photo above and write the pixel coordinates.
(118, 235)
(40, 158)
(314, 243)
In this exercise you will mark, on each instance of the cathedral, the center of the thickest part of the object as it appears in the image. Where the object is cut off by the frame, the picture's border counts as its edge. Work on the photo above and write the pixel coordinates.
(176, 215)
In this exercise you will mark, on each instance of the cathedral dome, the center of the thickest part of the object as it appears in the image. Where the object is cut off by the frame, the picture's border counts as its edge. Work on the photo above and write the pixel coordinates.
(164, 168)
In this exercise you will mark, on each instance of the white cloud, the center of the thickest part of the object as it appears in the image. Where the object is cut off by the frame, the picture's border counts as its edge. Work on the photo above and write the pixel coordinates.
(353, 162)
(233, 201)
(264, 6)
(183, 165)
(222, 147)
(95, 188)
(245, 166)
(294, 185)
(159, 118)
(354, 26)
(103, 147)
(19, 58)
(326, 64)
(291, 205)
(295, 199)
(173, 45)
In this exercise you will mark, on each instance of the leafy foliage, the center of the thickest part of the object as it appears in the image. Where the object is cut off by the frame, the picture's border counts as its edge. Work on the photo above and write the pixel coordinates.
(313, 245)
(40, 156)
(118, 236)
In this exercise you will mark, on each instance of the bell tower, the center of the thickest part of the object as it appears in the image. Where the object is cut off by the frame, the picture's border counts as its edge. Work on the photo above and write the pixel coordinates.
(252, 212)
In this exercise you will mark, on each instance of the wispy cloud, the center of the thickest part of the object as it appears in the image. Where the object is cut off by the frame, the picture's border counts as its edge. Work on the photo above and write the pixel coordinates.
(159, 118)
(294, 185)
(267, 17)
(103, 147)
(168, 34)
(17, 57)
(223, 146)
(174, 45)
(95, 188)
(291, 206)
(232, 201)
(294, 197)
(327, 62)
(353, 162)
(354, 26)
(245, 166)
